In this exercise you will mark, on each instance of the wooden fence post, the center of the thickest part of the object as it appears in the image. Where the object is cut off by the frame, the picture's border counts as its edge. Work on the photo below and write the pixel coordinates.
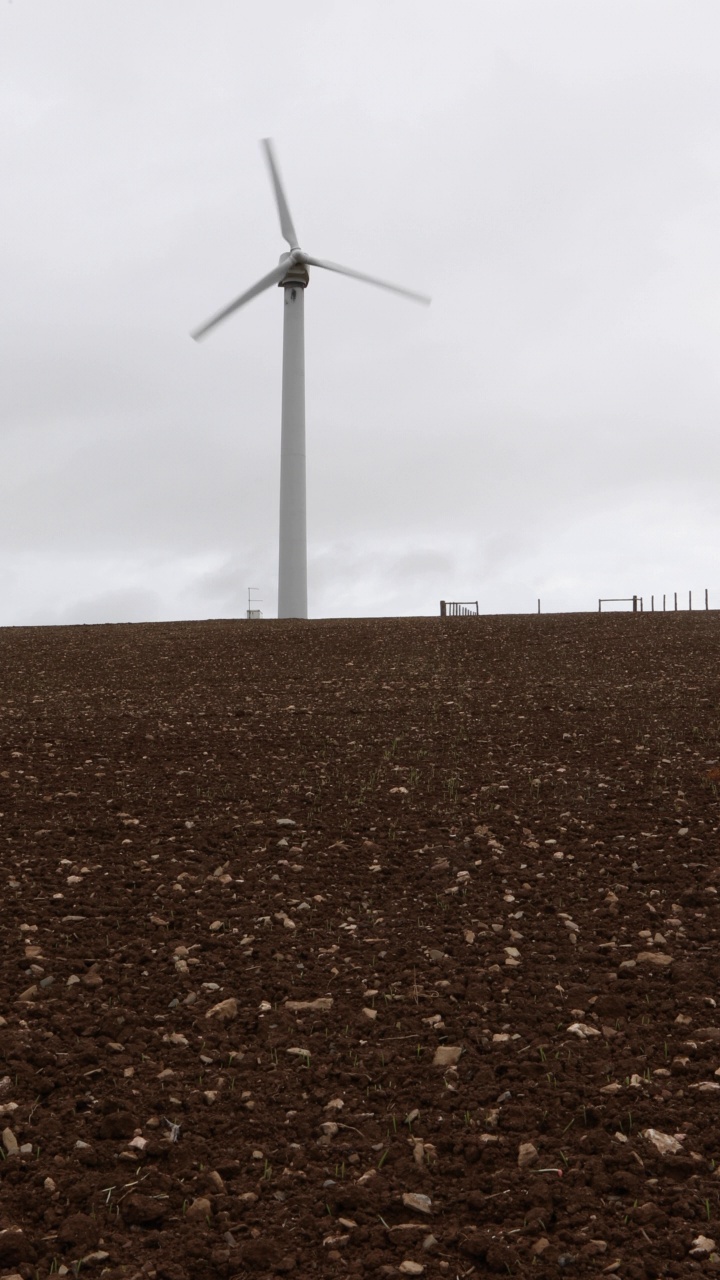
(706, 598)
(443, 609)
(634, 604)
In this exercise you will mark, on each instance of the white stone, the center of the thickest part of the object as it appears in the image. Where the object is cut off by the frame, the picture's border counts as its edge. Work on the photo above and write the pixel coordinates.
(10, 1142)
(527, 1155)
(225, 1011)
(664, 1143)
(701, 1245)
(583, 1030)
(414, 1200)
(447, 1055)
(323, 1004)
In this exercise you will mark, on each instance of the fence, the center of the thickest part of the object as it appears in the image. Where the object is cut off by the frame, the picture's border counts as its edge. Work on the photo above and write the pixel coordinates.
(675, 601)
(638, 600)
(633, 600)
(459, 608)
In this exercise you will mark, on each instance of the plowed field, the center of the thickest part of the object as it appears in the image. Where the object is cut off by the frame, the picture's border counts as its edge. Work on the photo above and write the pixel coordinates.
(368, 947)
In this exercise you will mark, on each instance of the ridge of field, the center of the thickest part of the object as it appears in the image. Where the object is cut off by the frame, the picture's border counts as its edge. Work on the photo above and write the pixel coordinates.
(371, 947)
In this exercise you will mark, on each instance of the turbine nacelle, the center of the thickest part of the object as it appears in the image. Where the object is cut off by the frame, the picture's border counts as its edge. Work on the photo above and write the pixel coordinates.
(296, 273)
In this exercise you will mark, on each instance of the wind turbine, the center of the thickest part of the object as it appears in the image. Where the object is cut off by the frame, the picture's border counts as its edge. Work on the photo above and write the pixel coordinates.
(291, 274)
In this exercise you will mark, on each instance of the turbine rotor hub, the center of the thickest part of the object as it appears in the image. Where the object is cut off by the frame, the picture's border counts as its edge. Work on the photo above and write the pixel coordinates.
(297, 276)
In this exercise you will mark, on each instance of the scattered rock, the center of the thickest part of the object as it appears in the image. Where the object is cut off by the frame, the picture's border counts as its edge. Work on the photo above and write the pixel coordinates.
(323, 1004)
(174, 1038)
(527, 1155)
(658, 959)
(583, 1030)
(701, 1246)
(447, 1055)
(664, 1143)
(10, 1142)
(413, 1200)
(199, 1210)
(225, 1011)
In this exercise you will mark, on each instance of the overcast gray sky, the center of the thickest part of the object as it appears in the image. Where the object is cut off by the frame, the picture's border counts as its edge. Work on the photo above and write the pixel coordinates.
(549, 170)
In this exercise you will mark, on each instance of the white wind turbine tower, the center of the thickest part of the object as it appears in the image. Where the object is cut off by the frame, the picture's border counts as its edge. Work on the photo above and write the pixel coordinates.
(291, 274)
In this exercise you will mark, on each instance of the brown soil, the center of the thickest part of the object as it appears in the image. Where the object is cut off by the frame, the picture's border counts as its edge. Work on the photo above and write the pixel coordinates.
(468, 834)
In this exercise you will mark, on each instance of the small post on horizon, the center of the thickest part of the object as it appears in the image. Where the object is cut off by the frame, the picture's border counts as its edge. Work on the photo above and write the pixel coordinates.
(706, 598)
(635, 600)
(676, 601)
(443, 609)
(663, 602)
(652, 604)
(539, 602)
(690, 601)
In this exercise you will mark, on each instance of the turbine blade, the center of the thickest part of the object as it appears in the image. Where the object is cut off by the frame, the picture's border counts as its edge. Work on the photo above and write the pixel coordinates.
(270, 279)
(286, 222)
(360, 275)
